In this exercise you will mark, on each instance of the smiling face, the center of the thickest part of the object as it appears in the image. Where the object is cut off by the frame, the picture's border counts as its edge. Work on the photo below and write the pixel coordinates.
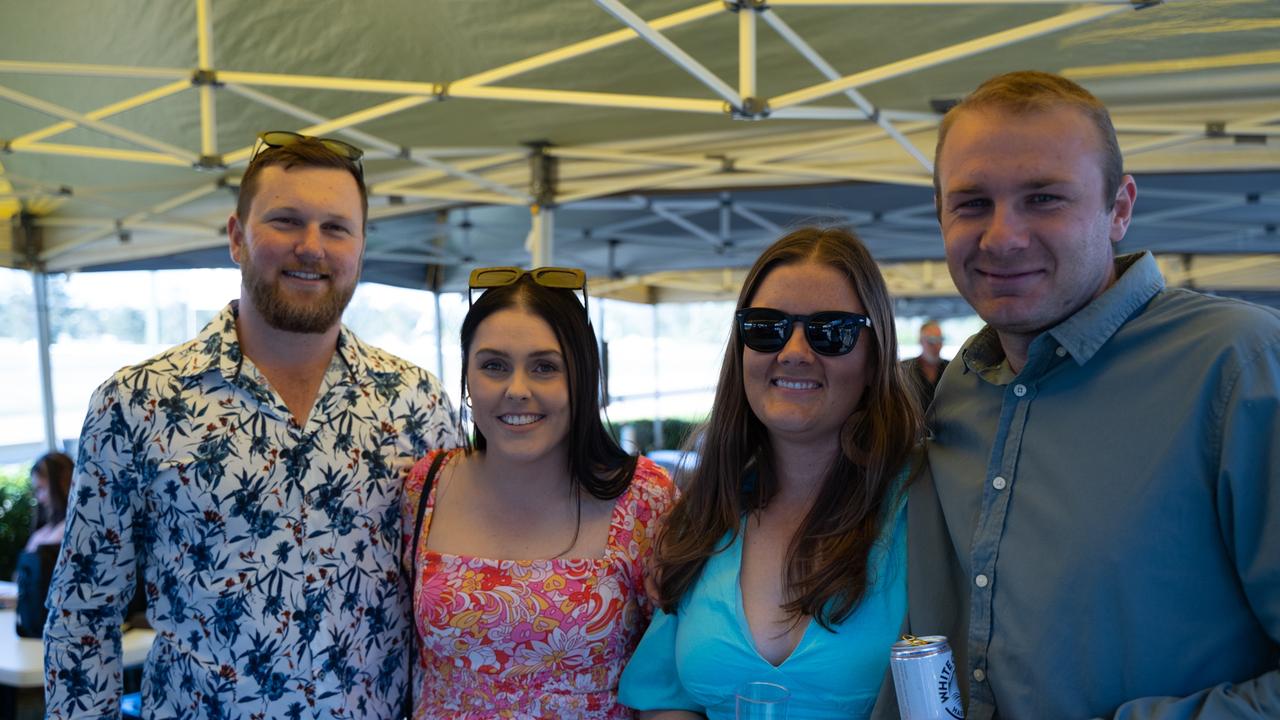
(800, 396)
(519, 386)
(1029, 236)
(299, 249)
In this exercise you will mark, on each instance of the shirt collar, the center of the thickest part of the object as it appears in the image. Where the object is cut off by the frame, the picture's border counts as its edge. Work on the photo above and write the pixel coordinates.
(218, 345)
(1138, 279)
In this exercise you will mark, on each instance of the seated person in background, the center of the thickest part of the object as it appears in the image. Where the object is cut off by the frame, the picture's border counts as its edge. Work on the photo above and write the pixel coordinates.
(50, 483)
(784, 560)
(531, 545)
(925, 370)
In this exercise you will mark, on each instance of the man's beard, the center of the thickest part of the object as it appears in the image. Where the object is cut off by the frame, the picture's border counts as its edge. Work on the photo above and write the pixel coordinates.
(317, 316)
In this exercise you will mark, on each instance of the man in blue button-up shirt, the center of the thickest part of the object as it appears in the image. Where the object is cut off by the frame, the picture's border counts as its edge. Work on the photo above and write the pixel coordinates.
(1100, 536)
(253, 475)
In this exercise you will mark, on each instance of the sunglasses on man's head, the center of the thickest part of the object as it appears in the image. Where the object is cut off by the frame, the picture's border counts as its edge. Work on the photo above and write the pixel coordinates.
(830, 332)
(561, 278)
(285, 138)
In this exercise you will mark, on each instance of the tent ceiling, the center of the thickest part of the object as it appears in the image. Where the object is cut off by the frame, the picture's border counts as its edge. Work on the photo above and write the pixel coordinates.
(116, 158)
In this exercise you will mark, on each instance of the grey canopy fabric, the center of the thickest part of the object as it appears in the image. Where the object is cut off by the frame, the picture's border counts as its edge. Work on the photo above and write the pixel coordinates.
(662, 143)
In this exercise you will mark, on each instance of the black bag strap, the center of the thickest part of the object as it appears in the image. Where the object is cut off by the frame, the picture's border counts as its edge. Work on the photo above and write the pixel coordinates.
(427, 483)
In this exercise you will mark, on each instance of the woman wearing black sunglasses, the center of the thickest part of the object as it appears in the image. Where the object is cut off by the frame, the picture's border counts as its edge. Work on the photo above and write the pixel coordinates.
(784, 560)
(528, 549)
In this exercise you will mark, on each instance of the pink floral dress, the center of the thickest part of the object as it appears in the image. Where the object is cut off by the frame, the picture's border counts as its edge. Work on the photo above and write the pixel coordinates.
(533, 638)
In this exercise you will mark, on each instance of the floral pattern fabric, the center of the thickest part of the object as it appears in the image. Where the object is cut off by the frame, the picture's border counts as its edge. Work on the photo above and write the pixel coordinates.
(270, 551)
(533, 638)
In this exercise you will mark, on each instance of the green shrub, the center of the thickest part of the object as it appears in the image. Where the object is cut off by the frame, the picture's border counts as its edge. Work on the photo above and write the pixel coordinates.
(674, 433)
(16, 507)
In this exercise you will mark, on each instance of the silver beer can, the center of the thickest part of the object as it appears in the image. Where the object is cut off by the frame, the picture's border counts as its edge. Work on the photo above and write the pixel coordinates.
(924, 677)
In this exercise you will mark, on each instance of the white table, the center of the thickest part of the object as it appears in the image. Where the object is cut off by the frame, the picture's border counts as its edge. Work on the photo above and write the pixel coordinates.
(22, 659)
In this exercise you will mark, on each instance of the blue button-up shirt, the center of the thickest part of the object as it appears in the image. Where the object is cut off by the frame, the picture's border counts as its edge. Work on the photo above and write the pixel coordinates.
(1101, 533)
(269, 550)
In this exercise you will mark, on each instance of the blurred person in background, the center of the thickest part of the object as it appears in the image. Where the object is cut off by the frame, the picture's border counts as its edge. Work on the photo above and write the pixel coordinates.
(925, 369)
(50, 485)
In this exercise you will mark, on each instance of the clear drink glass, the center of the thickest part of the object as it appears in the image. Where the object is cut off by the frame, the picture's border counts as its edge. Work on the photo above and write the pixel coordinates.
(762, 701)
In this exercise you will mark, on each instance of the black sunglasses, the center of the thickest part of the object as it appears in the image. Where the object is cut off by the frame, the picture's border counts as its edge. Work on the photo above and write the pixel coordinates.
(561, 278)
(285, 138)
(830, 332)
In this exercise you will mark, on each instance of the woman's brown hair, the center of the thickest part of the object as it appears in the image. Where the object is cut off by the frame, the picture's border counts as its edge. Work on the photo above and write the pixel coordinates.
(826, 569)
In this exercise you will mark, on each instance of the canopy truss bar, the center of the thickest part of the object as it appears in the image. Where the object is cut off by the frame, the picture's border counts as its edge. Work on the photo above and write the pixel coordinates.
(81, 70)
(1161, 143)
(390, 212)
(104, 112)
(806, 50)
(460, 196)
(686, 225)
(755, 218)
(791, 209)
(613, 229)
(928, 118)
(82, 120)
(591, 99)
(920, 3)
(585, 47)
(134, 251)
(811, 112)
(1179, 65)
(599, 189)
(99, 153)
(320, 82)
(136, 220)
(204, 60)
(673, 52)
(392, 181)
(319, 121)
(1188, 210)
(341, 124)
(1227, 129)
(573, 153)
(1249, 262)
(822, 146)
(834, 173)
(953, 52)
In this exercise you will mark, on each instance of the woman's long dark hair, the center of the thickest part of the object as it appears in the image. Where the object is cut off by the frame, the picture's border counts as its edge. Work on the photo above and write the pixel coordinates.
(826, 566)
(596, 462)
(57, 469)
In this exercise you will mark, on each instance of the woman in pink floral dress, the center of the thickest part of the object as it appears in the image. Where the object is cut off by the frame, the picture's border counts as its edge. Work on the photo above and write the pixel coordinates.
(529, 592)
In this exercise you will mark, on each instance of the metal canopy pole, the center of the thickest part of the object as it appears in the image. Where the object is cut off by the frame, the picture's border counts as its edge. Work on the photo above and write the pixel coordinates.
(44, 334)
(543, 184)
(208, 116)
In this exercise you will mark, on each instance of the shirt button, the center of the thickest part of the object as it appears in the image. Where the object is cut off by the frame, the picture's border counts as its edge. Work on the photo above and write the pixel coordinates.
(1019, 389)
(979, 675)
(981, 581)
(1061, 351)
(999, 483)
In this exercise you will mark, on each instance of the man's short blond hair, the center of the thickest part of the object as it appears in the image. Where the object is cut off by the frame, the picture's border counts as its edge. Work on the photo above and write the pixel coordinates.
(1030, 91)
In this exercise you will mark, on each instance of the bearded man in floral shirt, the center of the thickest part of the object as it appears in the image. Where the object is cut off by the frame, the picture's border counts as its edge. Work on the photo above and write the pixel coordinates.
(253, 475)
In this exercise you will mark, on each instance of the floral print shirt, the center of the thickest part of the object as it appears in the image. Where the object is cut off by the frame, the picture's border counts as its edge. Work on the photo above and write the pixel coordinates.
(270, 551)
(533, 638)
